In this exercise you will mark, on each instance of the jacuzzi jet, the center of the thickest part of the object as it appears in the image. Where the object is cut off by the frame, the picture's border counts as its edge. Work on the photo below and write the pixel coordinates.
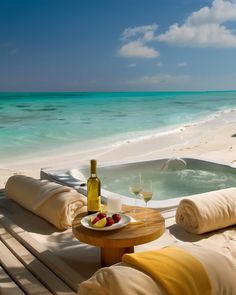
(174, 164)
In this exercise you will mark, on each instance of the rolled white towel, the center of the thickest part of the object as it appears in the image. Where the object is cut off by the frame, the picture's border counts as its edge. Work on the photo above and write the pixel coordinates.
(208, 211)
(56, 203)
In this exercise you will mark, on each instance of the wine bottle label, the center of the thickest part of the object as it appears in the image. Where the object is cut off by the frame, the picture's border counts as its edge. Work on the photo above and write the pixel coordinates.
(94, 204)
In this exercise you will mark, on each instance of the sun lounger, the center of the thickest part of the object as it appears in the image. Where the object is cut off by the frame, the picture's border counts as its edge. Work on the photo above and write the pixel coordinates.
(69, 260)
(28, 266)
(36, 257)
(179, 270)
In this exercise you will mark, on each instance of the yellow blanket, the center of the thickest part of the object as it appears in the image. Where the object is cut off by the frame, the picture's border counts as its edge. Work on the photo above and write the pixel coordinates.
(176, 270)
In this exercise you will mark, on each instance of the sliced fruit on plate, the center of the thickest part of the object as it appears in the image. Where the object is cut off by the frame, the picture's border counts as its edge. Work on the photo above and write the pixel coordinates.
(101, 215)
(102, 220)
(116, 217)
(100, 223)
(95, 219)
(109, 221)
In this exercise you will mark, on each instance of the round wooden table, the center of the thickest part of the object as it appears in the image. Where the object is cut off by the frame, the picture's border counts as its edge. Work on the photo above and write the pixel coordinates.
(117, 242)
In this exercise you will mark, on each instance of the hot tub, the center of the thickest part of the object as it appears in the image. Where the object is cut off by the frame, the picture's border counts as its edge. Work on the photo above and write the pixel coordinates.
(172, 179)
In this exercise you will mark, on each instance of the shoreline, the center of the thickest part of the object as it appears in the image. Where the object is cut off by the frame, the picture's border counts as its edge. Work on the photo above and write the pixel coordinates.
(209, 140)
(112, 141)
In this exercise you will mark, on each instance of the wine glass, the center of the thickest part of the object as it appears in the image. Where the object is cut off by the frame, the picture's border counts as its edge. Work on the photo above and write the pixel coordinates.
(146, 193)
(136, 188)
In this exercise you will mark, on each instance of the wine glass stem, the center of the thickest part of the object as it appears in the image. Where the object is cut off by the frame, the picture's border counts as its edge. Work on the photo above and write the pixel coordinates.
(145, 211)
(135, 202)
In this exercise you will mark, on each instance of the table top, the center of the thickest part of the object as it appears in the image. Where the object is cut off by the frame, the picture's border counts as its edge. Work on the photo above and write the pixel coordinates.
(135, 233)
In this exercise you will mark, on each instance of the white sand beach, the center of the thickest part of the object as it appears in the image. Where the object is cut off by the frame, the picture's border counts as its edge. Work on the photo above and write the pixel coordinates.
(211, 140)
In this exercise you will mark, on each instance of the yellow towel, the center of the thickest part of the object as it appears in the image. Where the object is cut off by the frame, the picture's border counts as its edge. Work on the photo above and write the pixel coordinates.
(176, 270)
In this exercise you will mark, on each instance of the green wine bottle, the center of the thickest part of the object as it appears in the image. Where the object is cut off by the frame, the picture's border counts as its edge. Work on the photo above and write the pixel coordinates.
(93, 189)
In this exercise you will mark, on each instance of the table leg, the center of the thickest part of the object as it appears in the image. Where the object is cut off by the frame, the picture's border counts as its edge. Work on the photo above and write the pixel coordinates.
(111, 256)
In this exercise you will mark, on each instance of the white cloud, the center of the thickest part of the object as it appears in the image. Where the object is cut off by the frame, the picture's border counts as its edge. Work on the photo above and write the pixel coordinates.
(181, 64)
(137, 49)
(136, 39)
(220, 12)
(160, 79)
(204, 28)
(207, 35)
(143, 33)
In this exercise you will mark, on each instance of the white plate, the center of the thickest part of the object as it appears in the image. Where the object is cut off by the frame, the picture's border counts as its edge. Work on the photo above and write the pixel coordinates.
(123, 222)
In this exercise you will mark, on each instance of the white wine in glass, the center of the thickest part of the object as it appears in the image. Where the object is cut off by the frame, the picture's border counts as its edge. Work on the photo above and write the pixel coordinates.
(136, 188)
(146, 193)
(146, 196)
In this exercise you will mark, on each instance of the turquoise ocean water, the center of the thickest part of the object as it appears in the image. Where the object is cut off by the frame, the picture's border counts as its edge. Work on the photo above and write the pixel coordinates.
(44, 121)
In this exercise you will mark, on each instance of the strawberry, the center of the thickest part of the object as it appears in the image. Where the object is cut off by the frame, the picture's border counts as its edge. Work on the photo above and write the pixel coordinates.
(101, 215)
(116, 217)
(96, 219)
(110, 221)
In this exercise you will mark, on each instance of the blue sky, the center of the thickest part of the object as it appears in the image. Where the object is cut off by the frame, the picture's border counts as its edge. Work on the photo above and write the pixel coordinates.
(117, 45)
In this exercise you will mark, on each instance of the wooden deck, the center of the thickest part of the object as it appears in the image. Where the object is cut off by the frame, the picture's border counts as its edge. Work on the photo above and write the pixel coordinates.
(27, 267)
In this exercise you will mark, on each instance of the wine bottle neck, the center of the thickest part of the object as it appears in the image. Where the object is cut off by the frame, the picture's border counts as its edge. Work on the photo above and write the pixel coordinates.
(93, 175)
(93, 167)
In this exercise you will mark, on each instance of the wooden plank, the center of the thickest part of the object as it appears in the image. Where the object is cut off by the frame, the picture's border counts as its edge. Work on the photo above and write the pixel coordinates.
(7, 285)
(59, 267)
(21, 275)
(48, 278)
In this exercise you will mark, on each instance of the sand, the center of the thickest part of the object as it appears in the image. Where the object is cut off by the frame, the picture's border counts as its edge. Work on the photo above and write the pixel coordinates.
(211, 140)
